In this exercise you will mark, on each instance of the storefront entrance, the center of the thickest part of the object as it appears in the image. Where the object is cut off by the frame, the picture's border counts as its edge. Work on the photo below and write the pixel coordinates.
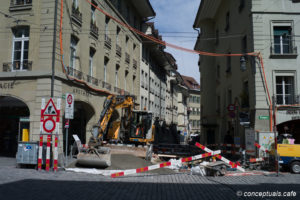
(290, 127)
(11, 111)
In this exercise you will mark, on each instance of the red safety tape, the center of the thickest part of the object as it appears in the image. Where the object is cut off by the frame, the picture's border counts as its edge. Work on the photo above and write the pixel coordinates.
(200, 146)
(165, 164)
(117, 174)
(144, 169)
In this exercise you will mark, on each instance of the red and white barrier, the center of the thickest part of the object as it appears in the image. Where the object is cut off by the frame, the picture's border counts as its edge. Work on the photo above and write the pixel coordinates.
(232, 164)
(162, 165)
(48, 153)
(40, 153)
(55, 157)
(253, 160)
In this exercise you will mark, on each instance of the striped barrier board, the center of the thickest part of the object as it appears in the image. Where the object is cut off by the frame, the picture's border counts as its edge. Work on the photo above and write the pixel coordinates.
(165, 164)
(48, 153)
(40, 153)
(232, 164)
(253, 160)
(55, 157)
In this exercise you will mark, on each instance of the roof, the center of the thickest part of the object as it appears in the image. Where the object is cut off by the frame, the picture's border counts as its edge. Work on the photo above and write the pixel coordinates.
(190, 82)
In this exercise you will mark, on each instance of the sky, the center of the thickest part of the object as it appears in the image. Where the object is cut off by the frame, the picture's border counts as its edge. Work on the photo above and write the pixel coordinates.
(174, 21)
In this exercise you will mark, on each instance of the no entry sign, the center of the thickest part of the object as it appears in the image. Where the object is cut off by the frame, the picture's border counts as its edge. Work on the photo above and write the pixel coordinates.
(69, 108)
(49, 125)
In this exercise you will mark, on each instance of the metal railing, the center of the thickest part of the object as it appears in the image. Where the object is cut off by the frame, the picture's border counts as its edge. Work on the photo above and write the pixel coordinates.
(283, 45)
(134, 63)
(17, 66)
(94, 29)
(76, 14)
(107, 40)
(75, 73)
(106, 85)
(118, 90)
(92, 80)
(118, 50)
(287, 99)
(127, 57)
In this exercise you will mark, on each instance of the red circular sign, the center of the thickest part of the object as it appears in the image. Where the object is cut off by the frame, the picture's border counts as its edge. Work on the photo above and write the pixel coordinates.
(49, 125)
(69, 99)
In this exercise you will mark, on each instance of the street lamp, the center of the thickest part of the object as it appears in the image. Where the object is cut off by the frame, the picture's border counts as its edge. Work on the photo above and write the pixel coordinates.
(243, 66)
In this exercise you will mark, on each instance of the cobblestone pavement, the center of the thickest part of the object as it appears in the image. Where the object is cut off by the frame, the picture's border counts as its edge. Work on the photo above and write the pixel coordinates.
(30, 184)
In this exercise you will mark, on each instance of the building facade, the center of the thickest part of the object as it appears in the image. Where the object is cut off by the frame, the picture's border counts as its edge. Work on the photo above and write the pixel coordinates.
(193, 104)
(236, 91)
(156, 69)
(100, 57)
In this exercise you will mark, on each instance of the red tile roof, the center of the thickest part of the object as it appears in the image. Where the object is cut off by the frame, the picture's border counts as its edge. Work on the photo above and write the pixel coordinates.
(190, 82)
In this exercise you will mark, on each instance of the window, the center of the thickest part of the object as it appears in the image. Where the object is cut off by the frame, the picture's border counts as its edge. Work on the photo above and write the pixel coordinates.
(227, 21)
(285, 90)
(217, 37)
(75, 4)
(242, 5)
(142, 103)
(22, 2)
(133, 83)
(117, 35)
(93, 16)
(145, 103)
(126, 45)
(125, 80)
(229, 96)
(116, 75)
(73, 47)
(244, 44)
(92, 53)
(20, 48)
(105, 68)
(218, 104)
(119, 5)
(106, 25)
(218, 72)
(245, 95)
(283, 39)
(228, 67)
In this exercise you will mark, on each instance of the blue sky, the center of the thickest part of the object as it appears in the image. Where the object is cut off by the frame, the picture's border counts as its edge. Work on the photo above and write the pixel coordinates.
(174, 20)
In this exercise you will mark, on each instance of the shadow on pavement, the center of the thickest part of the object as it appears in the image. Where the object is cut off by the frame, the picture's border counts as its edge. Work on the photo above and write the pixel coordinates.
(45, 189)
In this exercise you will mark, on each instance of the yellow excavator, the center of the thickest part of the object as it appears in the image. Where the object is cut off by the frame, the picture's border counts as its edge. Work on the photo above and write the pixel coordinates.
(134, 126)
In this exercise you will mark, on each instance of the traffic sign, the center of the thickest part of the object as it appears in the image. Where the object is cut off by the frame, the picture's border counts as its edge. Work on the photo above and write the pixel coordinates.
(231, 107)
(263, 117)
(69, 108)
(49, 125)
(50, 109)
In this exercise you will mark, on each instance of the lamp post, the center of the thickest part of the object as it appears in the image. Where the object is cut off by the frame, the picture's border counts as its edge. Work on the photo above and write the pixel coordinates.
(243, 66)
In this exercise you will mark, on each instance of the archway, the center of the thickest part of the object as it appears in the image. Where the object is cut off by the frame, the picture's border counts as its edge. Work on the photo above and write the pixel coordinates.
(291, 127)
(83, 112)
(11, 111)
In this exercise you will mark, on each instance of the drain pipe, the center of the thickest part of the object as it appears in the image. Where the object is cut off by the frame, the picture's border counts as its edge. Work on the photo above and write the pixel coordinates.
(53, 52)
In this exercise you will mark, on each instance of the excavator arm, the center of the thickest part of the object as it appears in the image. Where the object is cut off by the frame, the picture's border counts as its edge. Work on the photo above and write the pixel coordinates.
(111, 104)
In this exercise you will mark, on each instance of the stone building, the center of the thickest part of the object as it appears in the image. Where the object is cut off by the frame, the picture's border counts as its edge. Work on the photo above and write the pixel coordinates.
(234, 94)
(100, 57)
(193, 104)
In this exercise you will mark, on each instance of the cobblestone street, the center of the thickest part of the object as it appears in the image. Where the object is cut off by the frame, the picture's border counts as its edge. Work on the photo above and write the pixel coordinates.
(30, 184)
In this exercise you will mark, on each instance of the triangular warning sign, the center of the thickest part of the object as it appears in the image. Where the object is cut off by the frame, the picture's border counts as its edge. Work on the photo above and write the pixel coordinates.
(50, 109)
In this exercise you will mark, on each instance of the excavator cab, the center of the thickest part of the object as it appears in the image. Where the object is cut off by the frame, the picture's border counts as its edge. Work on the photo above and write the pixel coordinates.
(141, 127)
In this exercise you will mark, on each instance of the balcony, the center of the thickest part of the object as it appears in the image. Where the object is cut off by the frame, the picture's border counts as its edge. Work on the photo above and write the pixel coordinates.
(17, 66)
(94, 30)
(76, 15)
(284, 47)
(118, 50)
(107, 41)
(126, 93)
(117, 90)
(75, 73)
(16, 5)
(92, 80)
(134, 64)
(106, 85)
(287, 99)
(127, 57)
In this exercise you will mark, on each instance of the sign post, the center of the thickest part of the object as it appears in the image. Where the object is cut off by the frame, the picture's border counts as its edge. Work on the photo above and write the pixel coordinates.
(50, 116)
(69, 114)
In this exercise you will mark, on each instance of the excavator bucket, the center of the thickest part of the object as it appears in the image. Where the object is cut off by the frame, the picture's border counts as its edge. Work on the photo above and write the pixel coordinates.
(99, 158)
